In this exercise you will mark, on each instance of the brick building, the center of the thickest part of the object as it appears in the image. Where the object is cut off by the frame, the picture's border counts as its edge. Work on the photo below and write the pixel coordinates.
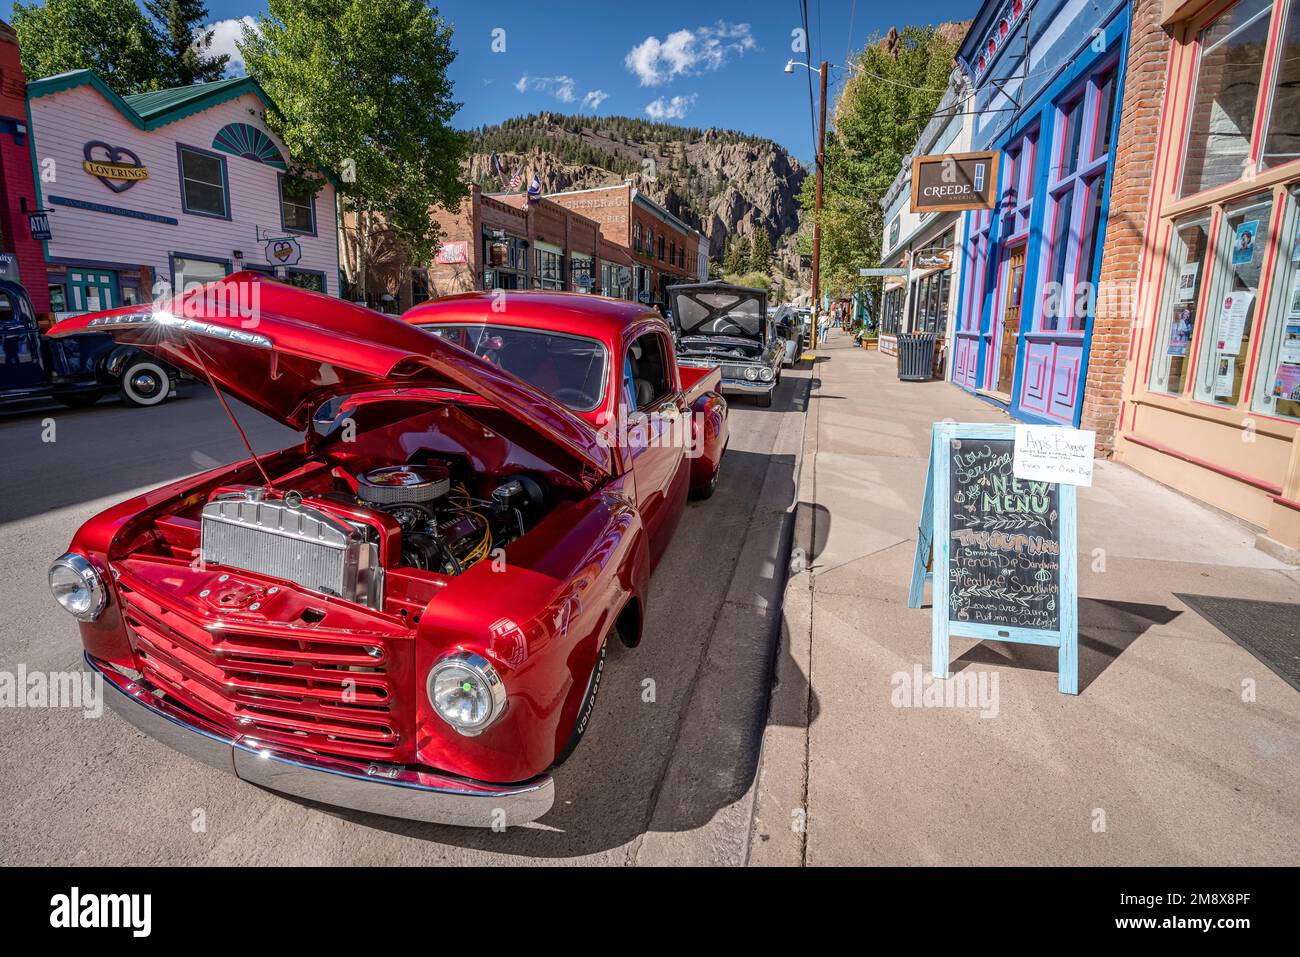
(612, 241)
(1205, 219)
(663, 249)
(23, 254)
(1130, 203)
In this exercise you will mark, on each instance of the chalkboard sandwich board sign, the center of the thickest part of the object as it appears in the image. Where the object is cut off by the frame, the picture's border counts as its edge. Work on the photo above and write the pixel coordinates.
(1002, 549)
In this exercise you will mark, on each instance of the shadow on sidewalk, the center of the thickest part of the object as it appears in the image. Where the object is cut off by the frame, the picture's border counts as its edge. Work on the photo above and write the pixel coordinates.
(1106, 630)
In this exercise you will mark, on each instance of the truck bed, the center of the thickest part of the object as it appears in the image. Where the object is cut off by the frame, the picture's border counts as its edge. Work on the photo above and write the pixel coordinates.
(697, 381)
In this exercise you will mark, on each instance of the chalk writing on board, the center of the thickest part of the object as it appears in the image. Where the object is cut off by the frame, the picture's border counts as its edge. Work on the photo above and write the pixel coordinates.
(1004, 548)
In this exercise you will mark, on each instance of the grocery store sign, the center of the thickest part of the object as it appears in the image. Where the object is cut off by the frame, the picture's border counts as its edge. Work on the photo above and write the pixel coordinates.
(948, 182)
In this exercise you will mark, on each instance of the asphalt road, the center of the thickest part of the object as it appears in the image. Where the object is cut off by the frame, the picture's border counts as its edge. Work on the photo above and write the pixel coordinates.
(667, 780)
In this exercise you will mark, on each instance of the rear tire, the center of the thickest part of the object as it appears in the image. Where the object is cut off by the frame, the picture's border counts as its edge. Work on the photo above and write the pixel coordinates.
(585, 709)
(145, 383)
(707, 490)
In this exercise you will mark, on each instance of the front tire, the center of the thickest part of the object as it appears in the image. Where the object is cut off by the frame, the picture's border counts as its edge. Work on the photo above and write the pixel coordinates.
(585, 709)
(144, 383)
(764, 401)
(707, 490)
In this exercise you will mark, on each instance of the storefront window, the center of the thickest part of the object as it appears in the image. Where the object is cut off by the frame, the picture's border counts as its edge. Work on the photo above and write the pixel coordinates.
(892, 313)
(1076, 184)
(582, 272)
(550, 268)
(1228, 78)
(1282, 144)
(977, 256)
(1226, 337)
(1183, 306)
(1017, 193)
(1277, 388)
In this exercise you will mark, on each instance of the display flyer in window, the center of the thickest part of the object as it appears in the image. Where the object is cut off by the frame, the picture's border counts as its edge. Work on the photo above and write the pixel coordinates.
(1232, 321)
(1243, 244)
(1289, 352)
(1180, 330)
(1187, 282)
(1224, 374)
(1286, 383)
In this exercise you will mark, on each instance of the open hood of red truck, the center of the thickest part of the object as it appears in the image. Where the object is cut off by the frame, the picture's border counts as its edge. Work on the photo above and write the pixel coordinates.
(284, 351)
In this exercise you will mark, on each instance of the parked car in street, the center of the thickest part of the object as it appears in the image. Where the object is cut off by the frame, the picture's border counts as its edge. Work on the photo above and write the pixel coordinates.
(726, 327)
(787, 330)
(75, 370)
(408, 612)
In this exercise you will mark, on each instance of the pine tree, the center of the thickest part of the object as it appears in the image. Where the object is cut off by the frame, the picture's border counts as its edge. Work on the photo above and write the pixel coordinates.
(185, 43)
(731, 261)
(760, 256)
(742, 254)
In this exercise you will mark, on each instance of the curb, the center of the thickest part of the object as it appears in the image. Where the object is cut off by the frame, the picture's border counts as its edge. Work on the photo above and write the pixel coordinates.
(778, 822)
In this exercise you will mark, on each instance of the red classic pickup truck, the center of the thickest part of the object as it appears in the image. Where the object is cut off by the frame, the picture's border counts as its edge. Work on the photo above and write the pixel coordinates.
(407, 613)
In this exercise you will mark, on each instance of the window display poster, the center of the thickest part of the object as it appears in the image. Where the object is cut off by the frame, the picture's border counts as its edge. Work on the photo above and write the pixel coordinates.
(1243, 243)
(1286, 383)
(1180, 330)
(1295, 247)
(1187, 281)
(1232, 321)
(1224, 373)
(1290, 350)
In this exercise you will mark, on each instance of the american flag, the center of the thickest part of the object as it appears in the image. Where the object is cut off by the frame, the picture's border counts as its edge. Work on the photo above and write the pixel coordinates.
(518, 179)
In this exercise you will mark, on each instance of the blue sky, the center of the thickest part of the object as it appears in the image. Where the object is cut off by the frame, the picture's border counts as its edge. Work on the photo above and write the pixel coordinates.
(699, 64)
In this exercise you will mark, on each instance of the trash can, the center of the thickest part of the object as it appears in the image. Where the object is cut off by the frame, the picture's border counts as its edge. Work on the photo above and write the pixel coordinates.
(916, 356)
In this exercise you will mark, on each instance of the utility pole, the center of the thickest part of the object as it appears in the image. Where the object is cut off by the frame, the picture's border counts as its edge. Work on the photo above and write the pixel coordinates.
(817, 210)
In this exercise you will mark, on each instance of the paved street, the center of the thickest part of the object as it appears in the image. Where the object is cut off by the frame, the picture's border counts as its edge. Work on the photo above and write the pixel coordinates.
(668, 781)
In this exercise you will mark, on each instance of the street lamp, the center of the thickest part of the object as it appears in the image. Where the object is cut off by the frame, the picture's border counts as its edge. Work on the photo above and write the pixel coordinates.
(817, 209)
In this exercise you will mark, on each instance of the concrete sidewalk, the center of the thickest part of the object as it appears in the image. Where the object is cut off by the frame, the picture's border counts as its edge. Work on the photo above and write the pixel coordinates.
(1181, 748)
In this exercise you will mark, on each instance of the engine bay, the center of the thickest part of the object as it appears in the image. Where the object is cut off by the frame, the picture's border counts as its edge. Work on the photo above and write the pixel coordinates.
(341, 533)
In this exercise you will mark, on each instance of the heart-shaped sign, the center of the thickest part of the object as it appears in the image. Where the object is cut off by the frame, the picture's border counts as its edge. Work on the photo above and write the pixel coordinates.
(116, 167)
(282, 250)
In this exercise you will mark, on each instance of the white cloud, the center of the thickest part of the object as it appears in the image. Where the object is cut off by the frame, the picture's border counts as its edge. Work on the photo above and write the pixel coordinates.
(563, 88)
(560, 87)
(225, 33)
(674, 109)
(688, 52)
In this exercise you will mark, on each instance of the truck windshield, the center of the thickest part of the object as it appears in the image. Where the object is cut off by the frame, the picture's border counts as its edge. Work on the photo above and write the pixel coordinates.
(569, 369)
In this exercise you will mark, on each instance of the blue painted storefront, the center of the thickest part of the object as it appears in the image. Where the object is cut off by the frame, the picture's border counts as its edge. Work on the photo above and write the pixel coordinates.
(1055, 121)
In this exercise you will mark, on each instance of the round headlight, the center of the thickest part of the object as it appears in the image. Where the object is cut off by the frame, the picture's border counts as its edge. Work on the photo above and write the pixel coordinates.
(77, 586)
(765, 374)
(466, 692)
(751, 373)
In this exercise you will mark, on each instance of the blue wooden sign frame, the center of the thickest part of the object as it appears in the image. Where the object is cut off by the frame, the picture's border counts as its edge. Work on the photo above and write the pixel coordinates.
(933, 540)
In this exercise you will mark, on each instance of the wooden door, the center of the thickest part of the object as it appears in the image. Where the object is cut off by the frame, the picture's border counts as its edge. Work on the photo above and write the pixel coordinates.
(1009, 336)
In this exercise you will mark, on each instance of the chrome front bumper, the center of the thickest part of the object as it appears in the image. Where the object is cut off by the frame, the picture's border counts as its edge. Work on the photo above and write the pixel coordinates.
(747, 387)
(391, 790)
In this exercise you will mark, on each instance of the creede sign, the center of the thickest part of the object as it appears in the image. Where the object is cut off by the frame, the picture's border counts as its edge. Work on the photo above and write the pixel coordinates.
(1000, 550)
(954, 181)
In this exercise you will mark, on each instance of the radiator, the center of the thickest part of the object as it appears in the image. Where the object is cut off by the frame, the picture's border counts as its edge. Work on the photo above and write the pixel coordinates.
(299, 543)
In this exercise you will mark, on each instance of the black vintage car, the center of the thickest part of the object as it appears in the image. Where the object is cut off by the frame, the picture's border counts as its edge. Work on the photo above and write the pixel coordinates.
(74, 370)
(718, 324)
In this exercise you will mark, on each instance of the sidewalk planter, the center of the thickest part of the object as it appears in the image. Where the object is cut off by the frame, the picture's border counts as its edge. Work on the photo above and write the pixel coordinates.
(916, 357)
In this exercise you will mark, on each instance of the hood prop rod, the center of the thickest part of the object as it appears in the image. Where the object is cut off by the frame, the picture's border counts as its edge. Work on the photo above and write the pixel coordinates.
(198, 353)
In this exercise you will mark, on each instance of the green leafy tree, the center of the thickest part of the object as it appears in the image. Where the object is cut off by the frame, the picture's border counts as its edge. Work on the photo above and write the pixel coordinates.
(112, 37)
(894, 86)
(760, 254)
(185, 43)
(361, 88)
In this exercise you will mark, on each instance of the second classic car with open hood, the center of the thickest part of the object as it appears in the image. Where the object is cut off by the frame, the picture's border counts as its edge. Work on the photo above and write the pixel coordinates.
(407, 613)
(727, 327)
